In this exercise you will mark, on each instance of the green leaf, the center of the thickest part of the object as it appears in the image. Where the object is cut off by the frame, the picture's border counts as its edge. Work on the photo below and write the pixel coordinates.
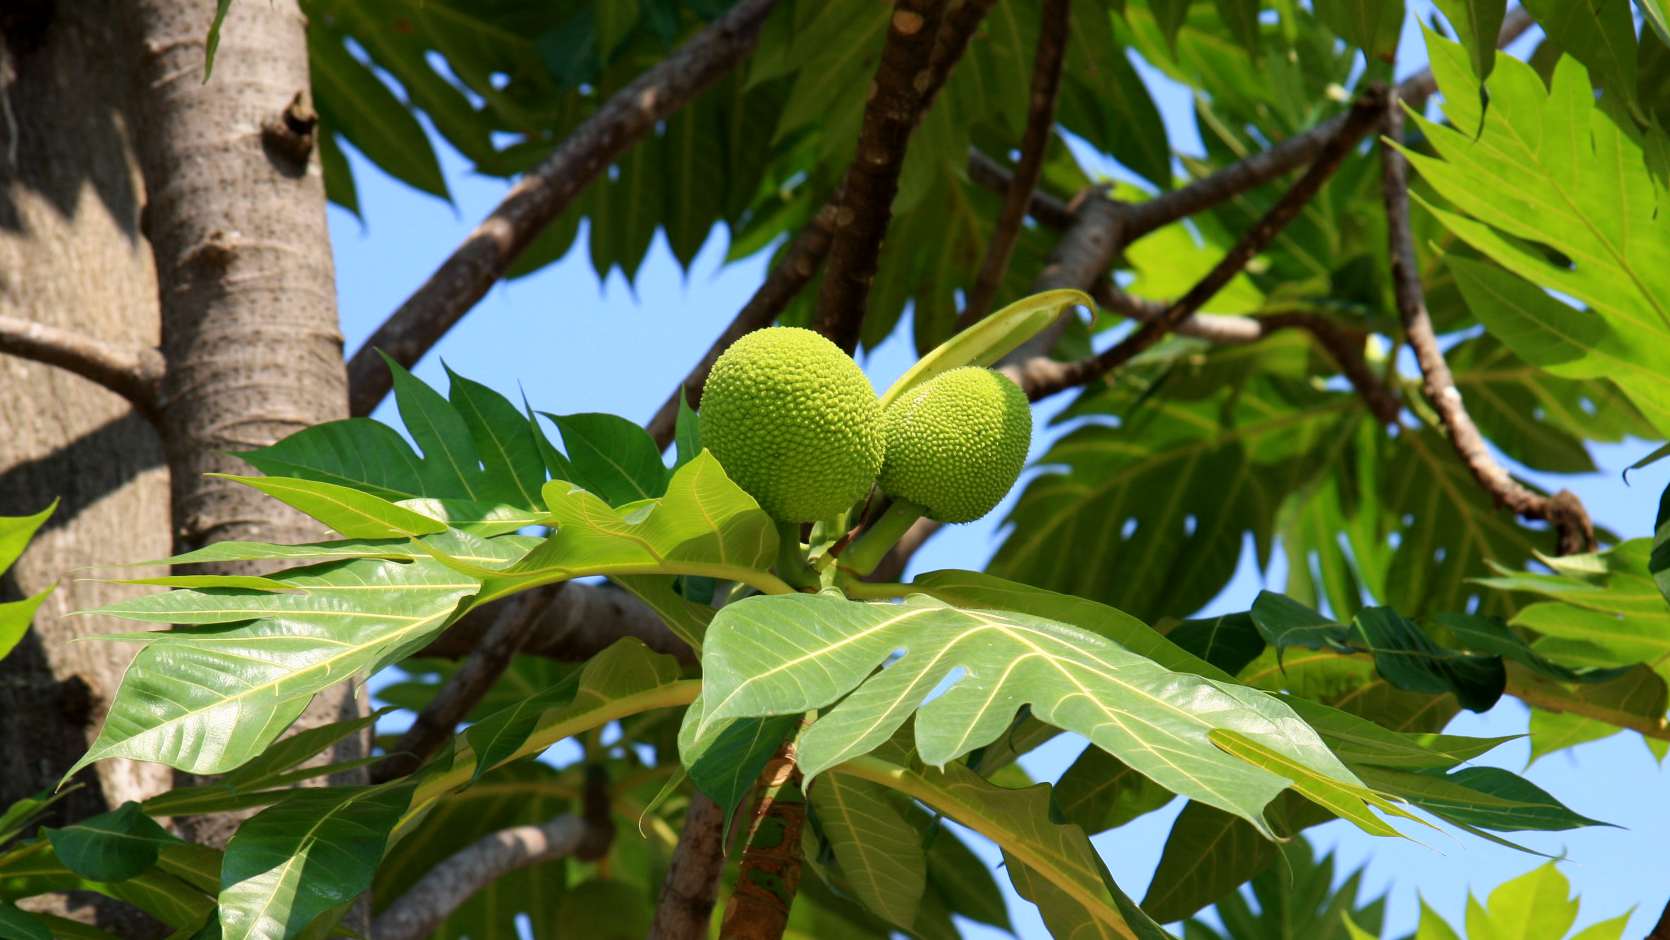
(687, 434)
(1228, 641)
(206, 700)
(1476, 23)
(16, 531)
(113, 846)
(625, 669)
(1486, 797)
(34, 868)
(1527, 177)
(1207, 854)
(19, 815)
(355, 452)
(792, 653)
(1053, 864)
(15, 616)
(727, 760)
(1537, 903)
(704, 525)
(339, 175)
(1151, 515)
(983, 591)
(612, 457)
(1598, 33)
(964, 881)
(1098, 792)
(1618, 612)
(879, 852)
(21, 925)
(289, 752)
(1359, 741)
(1653, 11)
(355, 514)
(353, 101)
(1103, 96)
(211, 43)
(1370, 25)
(504, 438)
(991, 339)
(309, 854)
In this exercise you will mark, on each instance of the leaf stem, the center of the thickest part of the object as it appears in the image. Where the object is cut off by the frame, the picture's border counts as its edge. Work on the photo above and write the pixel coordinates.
(862, 556)
(791, 563)
(859, 590)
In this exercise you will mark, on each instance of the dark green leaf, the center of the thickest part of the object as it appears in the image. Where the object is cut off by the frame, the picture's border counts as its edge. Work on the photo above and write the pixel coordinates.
(687, 434)
(357, 105)
(725, 764)
(612, 457)
(878, 851)
(510, 457)
(1476, 23)
(21, 925)
(1370, 25)
(1208, 853)
(113, 846)
(303, 857)
(1486, 797)
(1228, 641)
(1099, 792)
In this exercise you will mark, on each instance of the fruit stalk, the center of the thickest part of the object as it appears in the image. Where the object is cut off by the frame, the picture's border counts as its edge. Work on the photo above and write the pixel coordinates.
(862, 556)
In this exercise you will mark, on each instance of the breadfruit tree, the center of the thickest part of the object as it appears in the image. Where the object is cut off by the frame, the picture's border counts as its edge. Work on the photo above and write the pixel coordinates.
(1418, 258)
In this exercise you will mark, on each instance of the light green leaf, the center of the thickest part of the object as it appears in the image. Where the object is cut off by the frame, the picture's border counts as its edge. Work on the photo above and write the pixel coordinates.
(355, 514)
(1536, 904)
(206, 700)
(15, 616)
(1653, 11)
(1359, 741)
(113, 846)
(307, 855)
(1057, 858)
(704, 525)
(991, 339)
(793, 653)
(18, 816)
(878, 851)
(1528, 177)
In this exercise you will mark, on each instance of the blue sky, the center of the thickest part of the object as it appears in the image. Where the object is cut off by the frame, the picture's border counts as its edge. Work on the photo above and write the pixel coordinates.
(573, 344)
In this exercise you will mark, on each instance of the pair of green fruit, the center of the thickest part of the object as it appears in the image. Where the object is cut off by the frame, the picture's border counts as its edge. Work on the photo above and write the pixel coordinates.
(795, 423)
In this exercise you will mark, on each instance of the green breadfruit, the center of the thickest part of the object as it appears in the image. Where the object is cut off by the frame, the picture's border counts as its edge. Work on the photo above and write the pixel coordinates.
(956, 443)
(794, 422)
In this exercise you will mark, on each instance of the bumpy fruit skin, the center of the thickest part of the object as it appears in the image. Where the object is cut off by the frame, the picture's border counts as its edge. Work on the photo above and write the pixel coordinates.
(956, 443)
(794, 422)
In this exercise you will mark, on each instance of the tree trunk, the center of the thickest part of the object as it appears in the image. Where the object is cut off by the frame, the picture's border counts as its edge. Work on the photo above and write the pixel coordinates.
(236, 221)
(71, 256)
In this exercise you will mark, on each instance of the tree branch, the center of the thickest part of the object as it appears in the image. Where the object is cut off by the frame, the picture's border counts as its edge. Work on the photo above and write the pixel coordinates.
(570, 622)
(1041, 376)
(1564, 511)
(416, 914)
(1342, 343)
(545, 193)
(1044, 208)
(135, 373)
(786, 280)
(872, 179)
(769, 874)
(692, 882)
(1040, 120)
(514, 621)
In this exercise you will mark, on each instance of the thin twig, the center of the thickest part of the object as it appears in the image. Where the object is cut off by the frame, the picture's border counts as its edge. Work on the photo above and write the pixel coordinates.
(872, 179)
(1046, 209)
(1042, 376)
(1040, 121)
(692, 881)
(1564, 511)
(418, 912)
(438, 720)
(135, 372)
(545, 193)
(805, 254)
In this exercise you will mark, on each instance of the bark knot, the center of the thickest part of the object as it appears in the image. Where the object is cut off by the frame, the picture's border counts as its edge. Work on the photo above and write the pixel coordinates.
(289, 136)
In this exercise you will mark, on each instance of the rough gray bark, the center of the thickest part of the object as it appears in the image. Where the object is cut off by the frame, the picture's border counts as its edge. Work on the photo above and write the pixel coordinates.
(235, 216)
(71, 257)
